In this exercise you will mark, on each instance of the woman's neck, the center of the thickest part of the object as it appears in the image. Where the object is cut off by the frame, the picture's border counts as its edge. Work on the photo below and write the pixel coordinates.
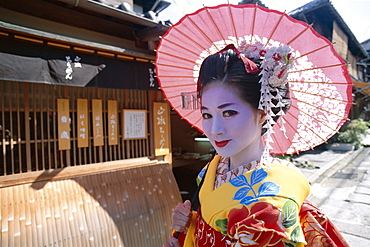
(247, 156)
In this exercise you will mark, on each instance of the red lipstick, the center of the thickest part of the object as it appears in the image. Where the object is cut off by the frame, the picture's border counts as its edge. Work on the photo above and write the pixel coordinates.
(221, 143)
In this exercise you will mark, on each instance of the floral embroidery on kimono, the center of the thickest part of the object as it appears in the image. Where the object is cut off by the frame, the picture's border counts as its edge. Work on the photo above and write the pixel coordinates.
(258, 205)
(249, 216)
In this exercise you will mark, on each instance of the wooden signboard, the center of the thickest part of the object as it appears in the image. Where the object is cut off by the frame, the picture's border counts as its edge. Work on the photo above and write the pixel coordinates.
(97, 114)
(83, 123)
(134, 124)
(112, 123)
(63, 124)
(161, 128)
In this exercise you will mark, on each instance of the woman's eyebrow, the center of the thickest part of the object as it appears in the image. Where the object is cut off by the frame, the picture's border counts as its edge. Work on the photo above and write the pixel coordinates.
(225, 105)
(220, 106)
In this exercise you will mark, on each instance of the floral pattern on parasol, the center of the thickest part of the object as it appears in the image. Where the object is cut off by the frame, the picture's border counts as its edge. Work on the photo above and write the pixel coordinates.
(320, 86)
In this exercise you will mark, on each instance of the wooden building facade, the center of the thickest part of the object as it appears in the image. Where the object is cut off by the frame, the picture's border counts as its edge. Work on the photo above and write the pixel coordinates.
(81, 161)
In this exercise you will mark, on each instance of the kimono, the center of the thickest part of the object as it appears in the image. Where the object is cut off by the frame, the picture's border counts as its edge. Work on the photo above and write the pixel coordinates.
(260, 207)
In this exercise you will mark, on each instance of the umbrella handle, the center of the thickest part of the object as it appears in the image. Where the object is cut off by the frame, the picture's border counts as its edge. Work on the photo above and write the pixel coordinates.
(177, 234)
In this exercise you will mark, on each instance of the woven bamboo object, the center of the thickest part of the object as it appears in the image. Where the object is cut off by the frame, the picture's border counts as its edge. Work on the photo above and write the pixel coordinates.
(127, 207)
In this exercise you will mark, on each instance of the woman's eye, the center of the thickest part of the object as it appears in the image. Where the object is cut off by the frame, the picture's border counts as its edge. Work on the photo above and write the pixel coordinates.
(206, 115)
(229, 113)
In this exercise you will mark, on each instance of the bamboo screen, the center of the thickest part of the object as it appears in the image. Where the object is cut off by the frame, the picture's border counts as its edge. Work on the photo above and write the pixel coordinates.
(128, 207)
(28, 127)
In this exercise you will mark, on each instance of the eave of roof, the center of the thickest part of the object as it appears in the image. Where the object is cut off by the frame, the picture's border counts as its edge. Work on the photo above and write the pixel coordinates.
(363, 87)
(72, 41)
(111, 11)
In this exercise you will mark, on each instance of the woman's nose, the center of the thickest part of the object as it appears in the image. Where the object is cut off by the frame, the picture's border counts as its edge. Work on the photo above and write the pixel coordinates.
(217, 127)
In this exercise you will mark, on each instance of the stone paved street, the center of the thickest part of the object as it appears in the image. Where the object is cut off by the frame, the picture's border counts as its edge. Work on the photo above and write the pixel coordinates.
(341, 188)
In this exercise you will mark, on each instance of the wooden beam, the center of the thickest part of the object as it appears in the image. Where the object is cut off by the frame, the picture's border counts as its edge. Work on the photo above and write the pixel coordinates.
(70, 172)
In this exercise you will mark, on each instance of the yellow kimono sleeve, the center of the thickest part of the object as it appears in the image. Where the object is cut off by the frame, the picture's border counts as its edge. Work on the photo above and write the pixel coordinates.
(189, 239)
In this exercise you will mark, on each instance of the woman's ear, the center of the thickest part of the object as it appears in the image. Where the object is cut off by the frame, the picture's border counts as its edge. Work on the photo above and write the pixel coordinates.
(261, 116)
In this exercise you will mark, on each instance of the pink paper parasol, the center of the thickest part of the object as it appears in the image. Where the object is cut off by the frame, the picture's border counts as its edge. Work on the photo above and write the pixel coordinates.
(320, 86)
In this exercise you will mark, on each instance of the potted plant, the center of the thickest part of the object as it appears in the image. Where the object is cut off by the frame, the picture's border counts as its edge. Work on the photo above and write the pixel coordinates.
(349, 136)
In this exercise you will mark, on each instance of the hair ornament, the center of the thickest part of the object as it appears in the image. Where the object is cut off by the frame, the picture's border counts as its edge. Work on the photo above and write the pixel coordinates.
(276, 61)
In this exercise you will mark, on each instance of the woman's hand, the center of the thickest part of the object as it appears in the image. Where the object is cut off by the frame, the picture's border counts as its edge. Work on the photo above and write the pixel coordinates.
(173, 243)
(181, 217)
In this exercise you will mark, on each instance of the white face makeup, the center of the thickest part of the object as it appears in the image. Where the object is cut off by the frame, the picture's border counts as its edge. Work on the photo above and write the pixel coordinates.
(232, 126)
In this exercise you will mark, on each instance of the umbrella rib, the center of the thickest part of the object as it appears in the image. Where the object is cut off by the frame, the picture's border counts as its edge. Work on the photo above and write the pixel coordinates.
(191, 111)
(182, 117)
(199, 119)
(277, 142)
(187, 36)
(187, 114)
(297, 133)
(253, 22)
(275, 28)
(322, 122)
(174, 66)
(233, 24)
(172, 97)
(322, 96)
(177, 107)
(182, 85)
(319, 82)
(323, 67)
(214, 24)
(171, 55)
(201, 31)
(340, 117)
(174, 76)
(182, 47)
(303, 31)
(313, 51)
(306, 127)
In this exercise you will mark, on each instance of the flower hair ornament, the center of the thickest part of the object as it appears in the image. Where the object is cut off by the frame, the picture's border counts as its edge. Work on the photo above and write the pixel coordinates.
(291, 53)
(276, 63)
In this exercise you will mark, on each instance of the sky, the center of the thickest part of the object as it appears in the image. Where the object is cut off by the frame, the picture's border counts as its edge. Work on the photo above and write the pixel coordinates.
(356, 13)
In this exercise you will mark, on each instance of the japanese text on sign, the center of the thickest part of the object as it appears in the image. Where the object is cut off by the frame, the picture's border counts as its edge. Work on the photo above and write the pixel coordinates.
(83, 123)
(97, 114)
(134, 124)
(151, 77)
(69, 69)
(63, 124)
(161, 128)
(112, 123)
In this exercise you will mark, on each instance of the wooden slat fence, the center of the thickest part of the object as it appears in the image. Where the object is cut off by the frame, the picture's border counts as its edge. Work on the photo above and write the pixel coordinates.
(28, 127)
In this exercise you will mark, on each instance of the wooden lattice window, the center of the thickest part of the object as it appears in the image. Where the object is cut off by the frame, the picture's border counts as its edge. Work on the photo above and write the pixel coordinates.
(28, 127)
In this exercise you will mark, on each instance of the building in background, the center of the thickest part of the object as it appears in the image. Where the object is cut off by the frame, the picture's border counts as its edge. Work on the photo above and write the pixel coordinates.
(83, 124)
(366, 61)
(363, 88)
(68, 50)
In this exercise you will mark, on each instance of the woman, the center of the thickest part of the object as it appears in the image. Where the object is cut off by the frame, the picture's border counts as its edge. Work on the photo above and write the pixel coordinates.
(247, 198)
